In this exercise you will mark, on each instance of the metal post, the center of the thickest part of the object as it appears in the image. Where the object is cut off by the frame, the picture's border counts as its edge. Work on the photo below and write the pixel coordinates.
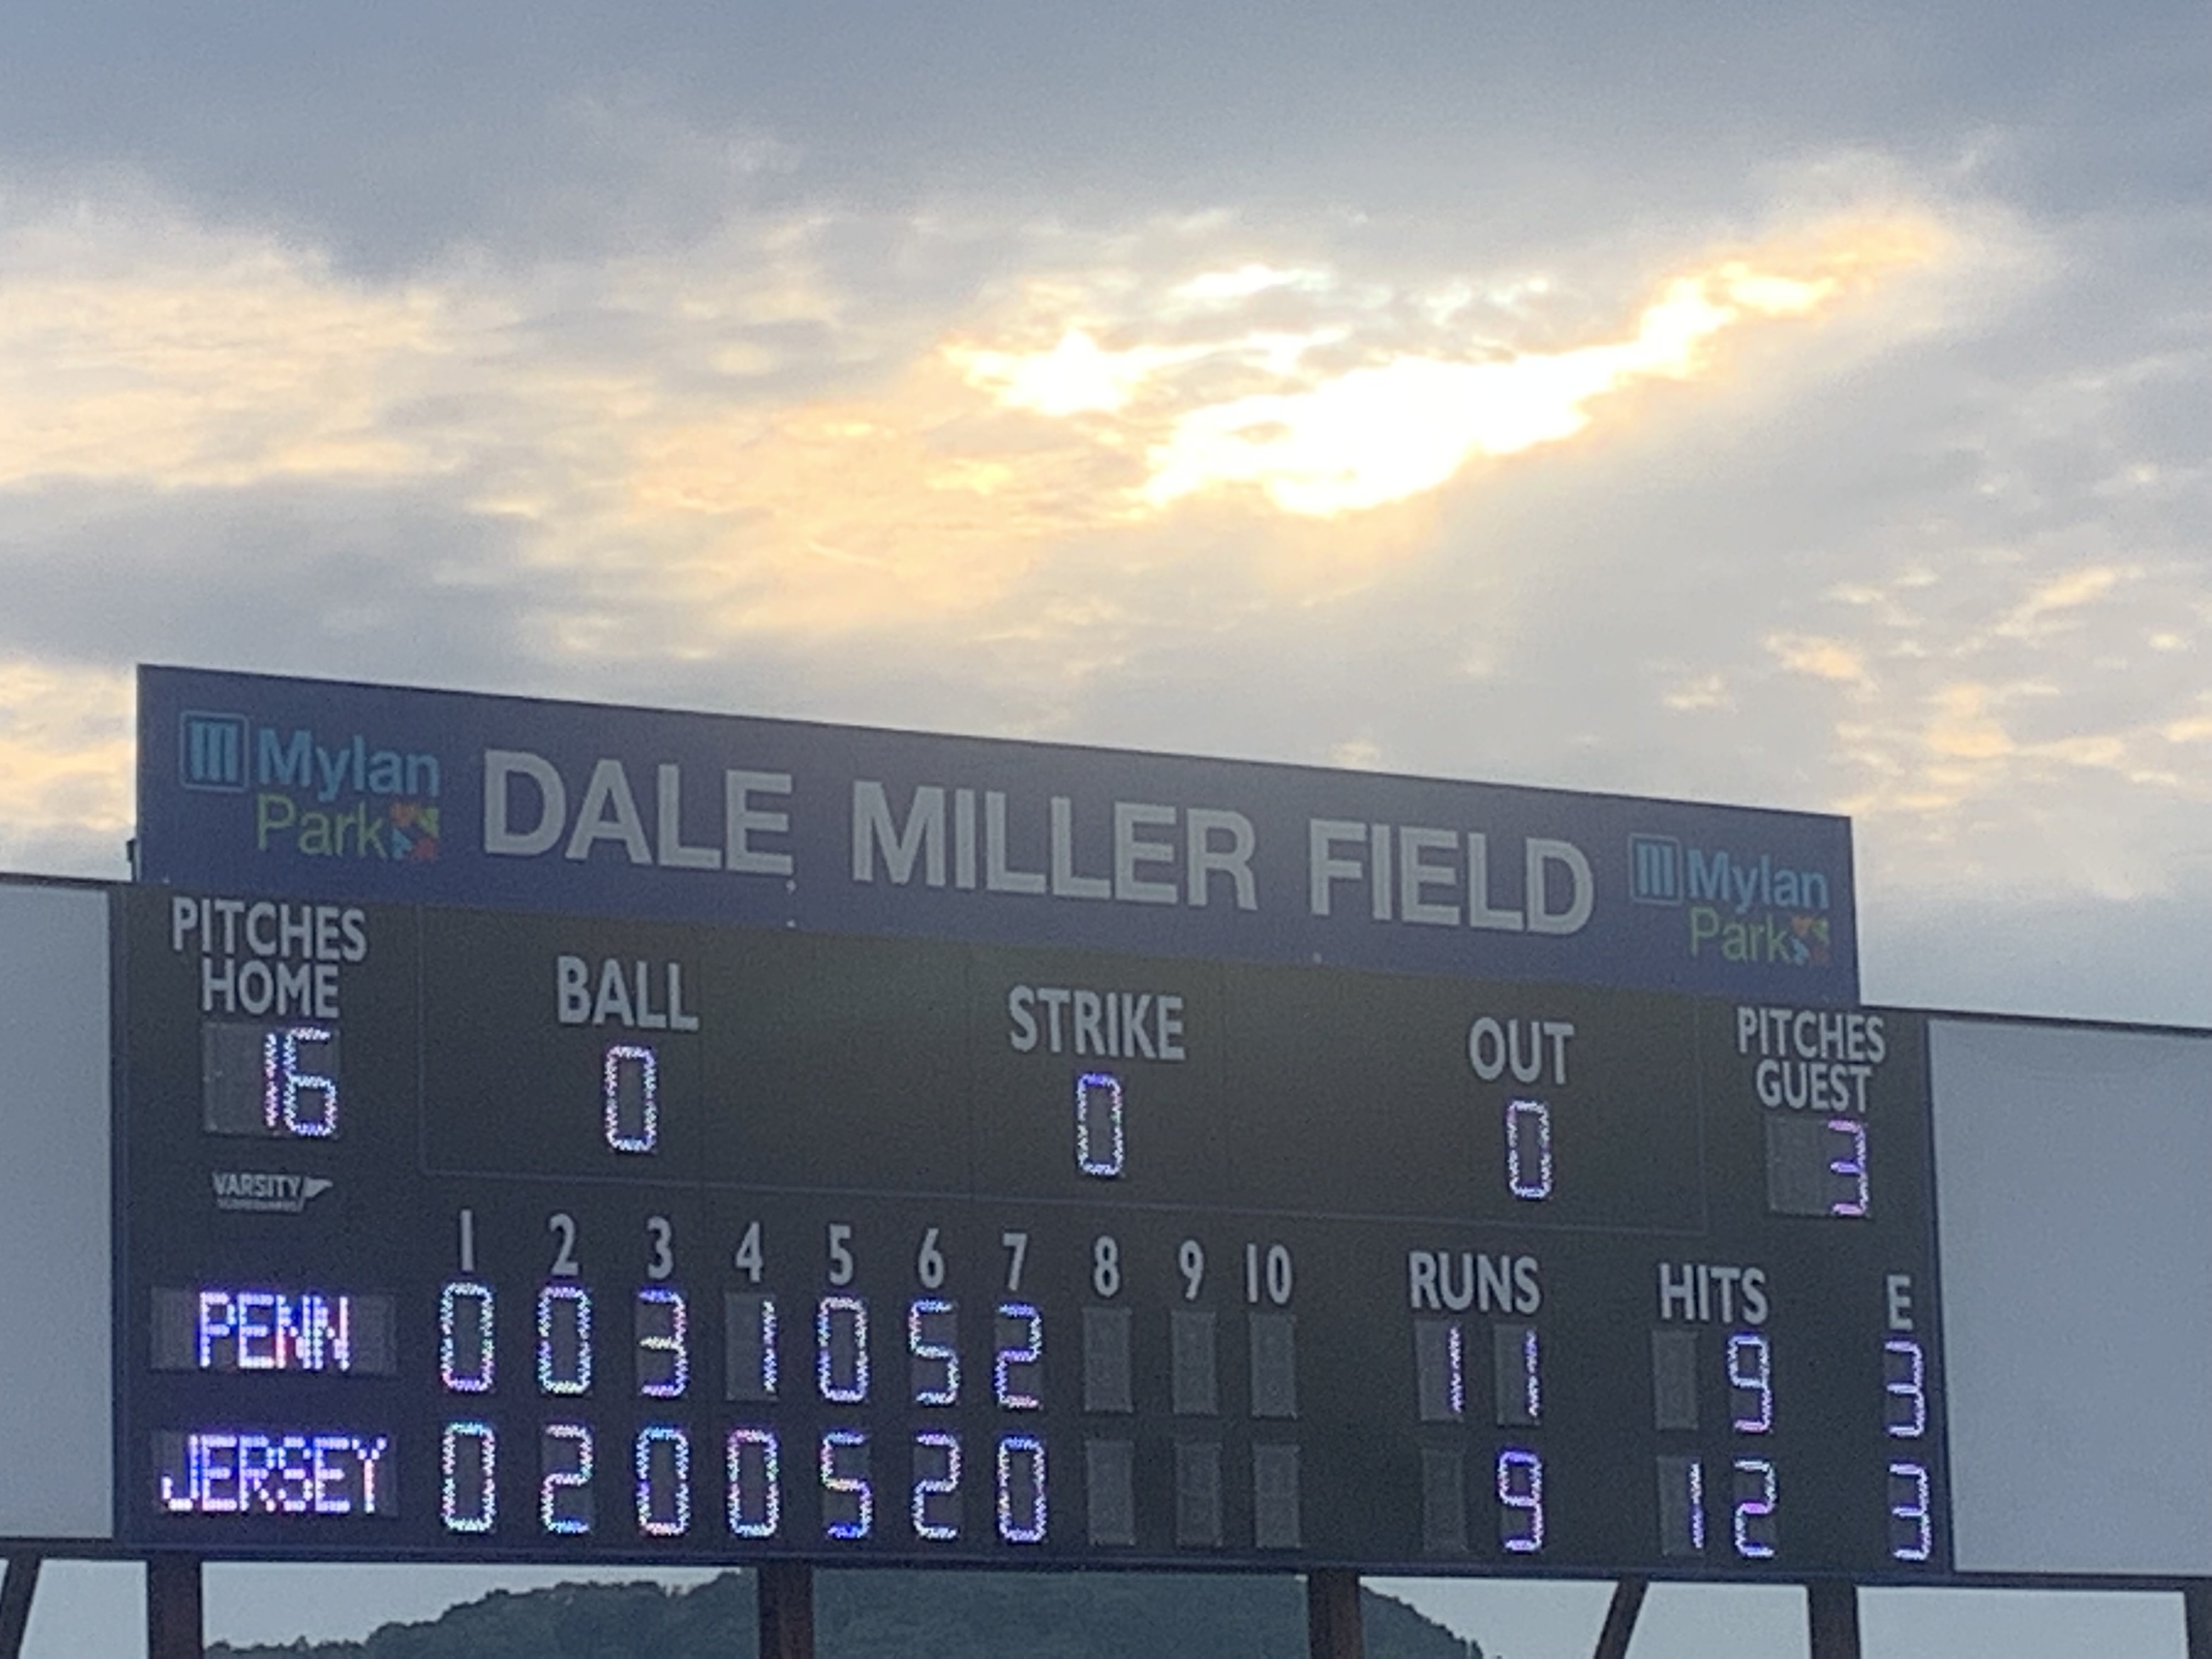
(786, 1589)
(16, 1592)
(1333, 1614)
(2197, 1617)
(1620, 1617)
(173, 1608)
(1831, 1619)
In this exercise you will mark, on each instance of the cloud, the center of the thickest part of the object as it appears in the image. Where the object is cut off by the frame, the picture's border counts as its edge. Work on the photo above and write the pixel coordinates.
(1823, 658)
(2053, 603)
(1814, 515)
(136, 350)
(1074, 377)
(1327, 441)
(726, 441)
(2027, 725)
(66, 749)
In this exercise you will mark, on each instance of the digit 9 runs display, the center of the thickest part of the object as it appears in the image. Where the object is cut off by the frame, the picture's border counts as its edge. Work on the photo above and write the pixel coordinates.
(461, 1235)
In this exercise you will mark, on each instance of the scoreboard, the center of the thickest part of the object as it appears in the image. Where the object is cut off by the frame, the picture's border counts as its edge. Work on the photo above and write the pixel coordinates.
(1004, 1154)
(467, 1235)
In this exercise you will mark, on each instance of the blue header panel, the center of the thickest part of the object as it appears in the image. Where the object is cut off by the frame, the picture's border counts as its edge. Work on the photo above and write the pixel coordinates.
(319, 789)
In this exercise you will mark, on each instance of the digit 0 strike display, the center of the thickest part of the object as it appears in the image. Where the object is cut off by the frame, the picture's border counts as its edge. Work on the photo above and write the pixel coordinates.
(463, 1235)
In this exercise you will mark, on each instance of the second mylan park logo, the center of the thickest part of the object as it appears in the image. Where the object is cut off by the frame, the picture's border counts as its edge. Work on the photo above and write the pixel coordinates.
(1735, 905)
(318, 794)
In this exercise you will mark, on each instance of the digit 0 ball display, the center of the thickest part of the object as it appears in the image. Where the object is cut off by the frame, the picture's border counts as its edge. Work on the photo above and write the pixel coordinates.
(456, 1234)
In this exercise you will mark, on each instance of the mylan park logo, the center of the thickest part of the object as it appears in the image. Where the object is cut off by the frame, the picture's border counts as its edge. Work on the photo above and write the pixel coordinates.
(314, 794)
(1737, 906)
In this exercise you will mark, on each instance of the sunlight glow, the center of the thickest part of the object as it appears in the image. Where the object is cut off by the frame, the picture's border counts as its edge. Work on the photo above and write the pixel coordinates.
(725, 437)
(1378, 434)
(1232, 287)
(1075, 377)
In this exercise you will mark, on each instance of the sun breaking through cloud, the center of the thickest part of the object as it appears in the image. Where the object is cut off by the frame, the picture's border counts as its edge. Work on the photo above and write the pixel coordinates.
(1380, 432)
(721, 436)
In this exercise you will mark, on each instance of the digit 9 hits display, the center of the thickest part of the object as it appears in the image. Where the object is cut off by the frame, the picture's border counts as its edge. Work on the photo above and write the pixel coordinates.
(470, 1236)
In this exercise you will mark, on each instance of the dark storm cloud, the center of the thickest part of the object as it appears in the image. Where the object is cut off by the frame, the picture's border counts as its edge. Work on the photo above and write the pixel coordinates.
(395, 130)
(296, 579)
(401, 583)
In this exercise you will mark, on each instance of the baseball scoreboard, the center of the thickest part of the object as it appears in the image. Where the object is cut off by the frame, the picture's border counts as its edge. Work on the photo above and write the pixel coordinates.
(477, 1234)
(502, 1130)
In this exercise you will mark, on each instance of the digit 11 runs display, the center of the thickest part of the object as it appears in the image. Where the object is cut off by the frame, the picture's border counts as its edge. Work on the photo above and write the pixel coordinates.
(456, 1234)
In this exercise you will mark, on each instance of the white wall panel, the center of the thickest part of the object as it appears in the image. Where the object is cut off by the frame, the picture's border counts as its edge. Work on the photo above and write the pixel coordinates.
(56, 1461)
(2074, 1197)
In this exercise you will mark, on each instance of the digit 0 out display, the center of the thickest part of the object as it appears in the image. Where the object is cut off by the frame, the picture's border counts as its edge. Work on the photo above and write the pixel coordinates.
(452, 1234)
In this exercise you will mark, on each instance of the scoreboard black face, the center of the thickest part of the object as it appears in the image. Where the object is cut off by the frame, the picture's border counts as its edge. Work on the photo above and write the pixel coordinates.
(467, 1235)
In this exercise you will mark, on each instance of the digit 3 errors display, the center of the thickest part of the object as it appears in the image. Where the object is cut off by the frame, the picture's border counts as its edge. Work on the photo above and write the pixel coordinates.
(467, 1235)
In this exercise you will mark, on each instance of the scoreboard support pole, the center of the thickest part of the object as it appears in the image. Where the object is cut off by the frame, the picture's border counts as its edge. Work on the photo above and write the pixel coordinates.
(1831, 1619)
(2197, 1617)
(15, 1593)
(173, 1626)
(1620, 1617)
(786, 1593)
(1333, 1614)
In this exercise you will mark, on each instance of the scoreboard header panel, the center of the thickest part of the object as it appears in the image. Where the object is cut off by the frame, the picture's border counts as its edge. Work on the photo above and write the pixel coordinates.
(459, 1234)
(318, 790)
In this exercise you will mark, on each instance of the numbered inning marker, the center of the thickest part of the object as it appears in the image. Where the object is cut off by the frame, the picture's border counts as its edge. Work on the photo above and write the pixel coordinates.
(662, 1463)
(663, 1350)
(1022, 1504)
(840, 1349)
(565, 1463)
(465, 1347)
(749, 1336)
(754, 1471)
(468, 1463)
(564, 1340)
(933, 1326)
(848, 1498)
(937, 1485)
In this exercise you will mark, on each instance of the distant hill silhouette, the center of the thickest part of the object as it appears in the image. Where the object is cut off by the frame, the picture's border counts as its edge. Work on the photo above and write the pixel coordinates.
(891, 1614)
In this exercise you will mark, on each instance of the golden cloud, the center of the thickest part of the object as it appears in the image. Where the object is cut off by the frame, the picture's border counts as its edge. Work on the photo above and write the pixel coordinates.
(2062, 593)
(1823, 658)
(622, 415)
(66, 748)
(212, 363)
(1324, 445)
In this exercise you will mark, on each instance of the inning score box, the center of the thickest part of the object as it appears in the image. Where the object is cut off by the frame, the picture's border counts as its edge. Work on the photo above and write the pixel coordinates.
(461, 1235)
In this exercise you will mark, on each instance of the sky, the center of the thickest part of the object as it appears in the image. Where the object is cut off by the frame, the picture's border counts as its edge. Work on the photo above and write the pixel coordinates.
(1799, 406)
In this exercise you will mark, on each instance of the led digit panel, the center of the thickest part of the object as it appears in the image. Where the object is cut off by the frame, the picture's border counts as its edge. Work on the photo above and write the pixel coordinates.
(533, 1237)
